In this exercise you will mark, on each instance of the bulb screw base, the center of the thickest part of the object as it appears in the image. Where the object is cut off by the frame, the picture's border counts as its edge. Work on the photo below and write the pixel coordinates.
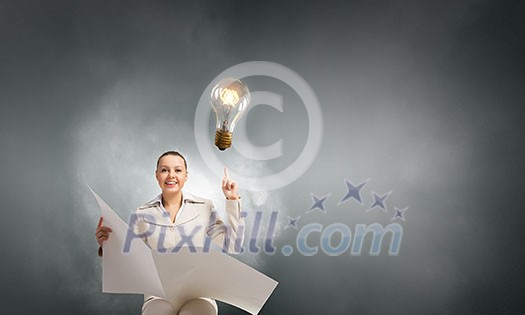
(223, 139)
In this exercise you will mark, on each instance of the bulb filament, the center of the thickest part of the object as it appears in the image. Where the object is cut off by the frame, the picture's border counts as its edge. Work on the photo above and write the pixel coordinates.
(229, 97)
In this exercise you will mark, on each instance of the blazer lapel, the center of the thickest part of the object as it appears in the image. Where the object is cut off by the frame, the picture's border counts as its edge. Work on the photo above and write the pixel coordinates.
(192, 210)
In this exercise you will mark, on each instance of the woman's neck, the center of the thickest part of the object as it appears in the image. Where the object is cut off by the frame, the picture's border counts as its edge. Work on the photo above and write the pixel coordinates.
(172, 201)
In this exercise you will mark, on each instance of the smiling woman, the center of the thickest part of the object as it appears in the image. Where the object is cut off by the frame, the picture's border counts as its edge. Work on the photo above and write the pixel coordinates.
(171, 174)
(163, 219)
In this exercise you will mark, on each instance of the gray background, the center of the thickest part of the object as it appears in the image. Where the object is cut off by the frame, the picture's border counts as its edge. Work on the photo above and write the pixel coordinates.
(424, 98)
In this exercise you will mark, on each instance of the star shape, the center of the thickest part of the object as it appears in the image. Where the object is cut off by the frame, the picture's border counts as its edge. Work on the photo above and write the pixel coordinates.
(292, 222)
(399, 214)
(354, 191)
(379, 201)
(318, 203)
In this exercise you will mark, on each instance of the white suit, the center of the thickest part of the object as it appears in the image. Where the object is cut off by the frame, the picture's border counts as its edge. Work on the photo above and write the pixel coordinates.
(194, 221)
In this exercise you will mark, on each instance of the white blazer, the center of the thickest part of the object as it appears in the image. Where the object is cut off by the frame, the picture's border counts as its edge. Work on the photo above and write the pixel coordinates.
(196, 219)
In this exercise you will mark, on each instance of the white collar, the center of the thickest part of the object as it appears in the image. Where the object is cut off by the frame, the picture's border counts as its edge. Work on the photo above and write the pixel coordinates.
(185, 197)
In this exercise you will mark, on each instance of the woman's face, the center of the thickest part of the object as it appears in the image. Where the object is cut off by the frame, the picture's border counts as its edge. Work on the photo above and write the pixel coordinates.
(171, 174)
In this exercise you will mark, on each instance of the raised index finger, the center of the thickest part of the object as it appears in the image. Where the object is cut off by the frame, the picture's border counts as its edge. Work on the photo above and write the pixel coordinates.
(226, 172)
(99, 222)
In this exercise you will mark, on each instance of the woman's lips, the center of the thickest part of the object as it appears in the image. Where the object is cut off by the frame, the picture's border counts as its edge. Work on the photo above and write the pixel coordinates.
(170, 184)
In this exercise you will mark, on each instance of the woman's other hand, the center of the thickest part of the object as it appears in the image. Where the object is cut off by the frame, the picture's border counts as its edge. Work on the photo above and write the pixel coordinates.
(102, 232)
(229, 187)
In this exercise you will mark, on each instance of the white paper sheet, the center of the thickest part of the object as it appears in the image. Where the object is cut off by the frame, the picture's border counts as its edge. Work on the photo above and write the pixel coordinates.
(178, 277)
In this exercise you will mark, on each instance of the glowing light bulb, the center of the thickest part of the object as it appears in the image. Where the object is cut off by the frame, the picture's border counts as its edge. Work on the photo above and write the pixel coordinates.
(229, 100)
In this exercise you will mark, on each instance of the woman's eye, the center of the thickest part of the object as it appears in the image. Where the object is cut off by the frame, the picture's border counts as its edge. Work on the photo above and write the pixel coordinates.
(164, 170)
